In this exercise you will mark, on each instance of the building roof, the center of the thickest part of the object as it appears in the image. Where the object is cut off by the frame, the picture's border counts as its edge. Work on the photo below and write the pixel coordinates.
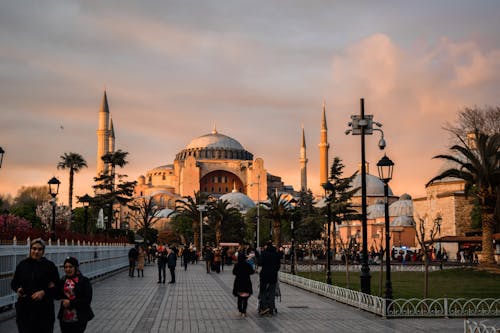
(403, 221)
(238, 200)
(374, 186)
(402, 207)
(214, 140)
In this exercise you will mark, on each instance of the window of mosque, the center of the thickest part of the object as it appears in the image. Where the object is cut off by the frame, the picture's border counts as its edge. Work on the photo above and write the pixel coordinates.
(212, 188)
(205, 189)
(227, 190)
(163, 176)
(219, 179)
(220, 190)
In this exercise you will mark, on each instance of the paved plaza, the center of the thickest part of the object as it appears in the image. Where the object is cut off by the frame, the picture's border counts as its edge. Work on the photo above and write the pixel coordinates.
(201, 302)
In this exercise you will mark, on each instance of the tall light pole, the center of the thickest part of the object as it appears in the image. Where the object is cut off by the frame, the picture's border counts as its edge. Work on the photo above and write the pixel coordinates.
(329, 189)
(292, 252)
(85, 200)
(53, 191)
(385, 168)
(2, 152)
(201, 209)
(363, 125)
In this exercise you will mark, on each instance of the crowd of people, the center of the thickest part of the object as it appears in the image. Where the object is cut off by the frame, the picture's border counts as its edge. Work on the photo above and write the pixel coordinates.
(38, 284)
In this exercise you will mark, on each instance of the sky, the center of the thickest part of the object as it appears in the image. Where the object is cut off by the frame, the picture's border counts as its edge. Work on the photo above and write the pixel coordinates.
(258, 70)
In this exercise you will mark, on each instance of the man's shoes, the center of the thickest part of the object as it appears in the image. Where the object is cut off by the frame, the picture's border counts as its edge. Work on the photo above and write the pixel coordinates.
(163, 282)
(172, 282)
(158, 282)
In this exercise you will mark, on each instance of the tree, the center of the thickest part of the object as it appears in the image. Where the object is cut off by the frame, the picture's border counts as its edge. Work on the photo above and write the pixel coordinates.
(188, 206)
(74, 163)
(277, 209)
(477, 162)
(28, 198)
(425, 244)
(145, 214)
(183, 227)
(107, 191)
(471, 119)
(220, 212)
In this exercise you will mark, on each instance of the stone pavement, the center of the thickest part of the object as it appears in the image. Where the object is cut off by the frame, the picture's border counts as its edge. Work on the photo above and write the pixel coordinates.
(201, 302)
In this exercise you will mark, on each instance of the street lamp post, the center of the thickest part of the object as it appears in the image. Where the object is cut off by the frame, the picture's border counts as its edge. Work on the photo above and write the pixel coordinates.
(201, 209)
(53, 191)
(2, 152)
(385, 168)
(292, 250)
(363, 125)
(329, 192)
(85, 200)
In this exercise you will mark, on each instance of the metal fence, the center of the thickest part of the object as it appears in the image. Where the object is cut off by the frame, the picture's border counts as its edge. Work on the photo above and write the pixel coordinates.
(95, 260)
(471, 326)
(399, 308)
(356, 268)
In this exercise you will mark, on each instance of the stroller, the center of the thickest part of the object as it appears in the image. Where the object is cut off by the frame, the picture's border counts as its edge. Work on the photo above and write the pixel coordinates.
(267, 304)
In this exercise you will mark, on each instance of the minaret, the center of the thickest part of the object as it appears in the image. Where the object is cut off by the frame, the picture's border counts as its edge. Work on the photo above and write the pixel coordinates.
(323, 150)
(303, 163)
(103, 136)
(111, 136)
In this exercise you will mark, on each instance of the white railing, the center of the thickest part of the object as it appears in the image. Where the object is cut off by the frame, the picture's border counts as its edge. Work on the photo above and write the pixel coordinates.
(471, 326)
(398, 308)
(95, 260)
(357, 268)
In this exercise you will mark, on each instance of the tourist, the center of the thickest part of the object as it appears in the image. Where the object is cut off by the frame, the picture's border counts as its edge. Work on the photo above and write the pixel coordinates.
(270, 265)
(209, 257)
(132, 258)
(141, 258)
(76, 294)
(162, 262)
(35, 281)
(242, 284)
(171, 262)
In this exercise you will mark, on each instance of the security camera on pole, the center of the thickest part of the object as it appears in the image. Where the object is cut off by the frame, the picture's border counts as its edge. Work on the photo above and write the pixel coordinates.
(363, 125)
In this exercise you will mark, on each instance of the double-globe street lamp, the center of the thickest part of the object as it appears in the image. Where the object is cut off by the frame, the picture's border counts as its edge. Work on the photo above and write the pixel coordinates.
(329, 192)
(292, 249)
(363, 125)
(385, 167)
(201, 209)
(53, 191)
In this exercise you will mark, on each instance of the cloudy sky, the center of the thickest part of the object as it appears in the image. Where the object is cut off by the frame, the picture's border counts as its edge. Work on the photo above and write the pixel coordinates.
(257, 69)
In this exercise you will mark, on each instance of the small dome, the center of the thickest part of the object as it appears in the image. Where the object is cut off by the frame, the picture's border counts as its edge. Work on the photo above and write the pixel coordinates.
(403, 221)
(164, 213)
(402, 207)
(238, 200)
(374, 186)
(377, 210)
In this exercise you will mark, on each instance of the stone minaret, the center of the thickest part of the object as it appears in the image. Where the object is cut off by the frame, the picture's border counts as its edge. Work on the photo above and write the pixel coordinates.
(103, 142)
(303, 163)
(323, 150)
(111, 136)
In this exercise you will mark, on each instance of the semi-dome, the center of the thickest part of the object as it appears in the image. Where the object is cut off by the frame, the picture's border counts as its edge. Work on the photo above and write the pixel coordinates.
(374, 186)
(402, 207)
(238, 200)
(214, 146)
(377, 210)
(403, 221)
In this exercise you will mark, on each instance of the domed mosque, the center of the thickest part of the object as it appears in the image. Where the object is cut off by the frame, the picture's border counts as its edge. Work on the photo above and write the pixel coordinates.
(214, 164)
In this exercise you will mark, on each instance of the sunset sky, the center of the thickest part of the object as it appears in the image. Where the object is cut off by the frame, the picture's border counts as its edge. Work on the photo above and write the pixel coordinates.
(256, 69)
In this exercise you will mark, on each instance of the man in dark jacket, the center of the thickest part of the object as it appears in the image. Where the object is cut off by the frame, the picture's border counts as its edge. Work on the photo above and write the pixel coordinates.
(36, 282)
(132, 259)
(171, 263)
(270, 265)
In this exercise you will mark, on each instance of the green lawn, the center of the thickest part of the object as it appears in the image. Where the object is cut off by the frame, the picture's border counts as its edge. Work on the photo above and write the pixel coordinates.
(452, 283)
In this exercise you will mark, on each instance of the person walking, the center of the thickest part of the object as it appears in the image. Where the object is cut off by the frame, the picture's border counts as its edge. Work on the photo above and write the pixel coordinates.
(76, 295)
(171, 262)
(141, 258)
(217, 260)
(36, 282)
(132, 258)
(162, 263)
(242, 283)
(186, 257)
(270, 265)
(209, 257)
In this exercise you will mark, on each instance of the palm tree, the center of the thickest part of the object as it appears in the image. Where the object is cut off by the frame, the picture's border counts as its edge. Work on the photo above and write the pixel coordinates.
(278, 209)
(221, 212)
(478, 164)
(74, 162)
(189, 207)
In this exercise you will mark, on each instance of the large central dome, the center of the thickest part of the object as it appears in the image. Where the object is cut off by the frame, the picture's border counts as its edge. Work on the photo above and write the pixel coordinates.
(214, 146)
(214, 140)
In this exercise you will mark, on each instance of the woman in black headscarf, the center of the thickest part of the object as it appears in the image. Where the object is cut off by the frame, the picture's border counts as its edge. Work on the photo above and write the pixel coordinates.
(76, 295)
(242, 284)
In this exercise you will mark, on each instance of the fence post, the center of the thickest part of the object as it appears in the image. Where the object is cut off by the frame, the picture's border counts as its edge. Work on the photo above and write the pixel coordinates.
(446, 307)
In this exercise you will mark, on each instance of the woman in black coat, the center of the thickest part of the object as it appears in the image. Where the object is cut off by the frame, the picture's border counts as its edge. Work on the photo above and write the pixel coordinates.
(242, 283)
(76, 295)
